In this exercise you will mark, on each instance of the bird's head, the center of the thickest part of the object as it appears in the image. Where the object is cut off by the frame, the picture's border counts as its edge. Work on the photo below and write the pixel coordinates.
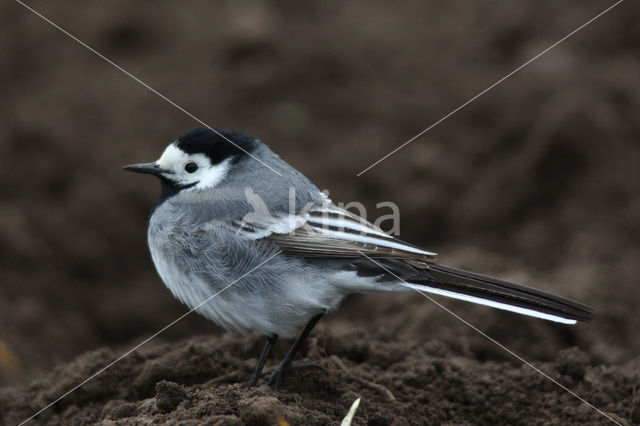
(200, 159)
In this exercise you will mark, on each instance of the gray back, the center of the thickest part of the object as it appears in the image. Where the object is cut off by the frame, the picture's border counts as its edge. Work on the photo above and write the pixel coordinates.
(228, 201)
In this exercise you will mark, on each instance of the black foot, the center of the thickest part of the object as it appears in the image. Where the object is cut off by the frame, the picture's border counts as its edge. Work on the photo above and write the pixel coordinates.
(275, 380)
(271, 340)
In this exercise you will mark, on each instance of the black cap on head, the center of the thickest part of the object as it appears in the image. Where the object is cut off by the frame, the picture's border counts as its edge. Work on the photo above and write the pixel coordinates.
(215, 143)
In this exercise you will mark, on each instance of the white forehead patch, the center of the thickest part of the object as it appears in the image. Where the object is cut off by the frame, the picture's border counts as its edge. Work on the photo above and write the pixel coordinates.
(171, 157)
(173, 160)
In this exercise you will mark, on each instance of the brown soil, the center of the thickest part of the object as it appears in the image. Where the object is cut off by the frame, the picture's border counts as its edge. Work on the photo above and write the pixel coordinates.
(538, 181)
(202, 381)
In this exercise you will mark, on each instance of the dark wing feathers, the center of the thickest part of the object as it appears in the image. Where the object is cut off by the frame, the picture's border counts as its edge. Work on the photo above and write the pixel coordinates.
(336, 233)
(481, 286)
(309, 242)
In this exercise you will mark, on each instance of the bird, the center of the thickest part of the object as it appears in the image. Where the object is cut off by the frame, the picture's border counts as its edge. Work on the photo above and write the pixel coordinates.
(237, 227)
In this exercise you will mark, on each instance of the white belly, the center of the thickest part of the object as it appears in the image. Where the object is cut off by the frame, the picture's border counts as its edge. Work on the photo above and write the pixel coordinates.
(294, 301)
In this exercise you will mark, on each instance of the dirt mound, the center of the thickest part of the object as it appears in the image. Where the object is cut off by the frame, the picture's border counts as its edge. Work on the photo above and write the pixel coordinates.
(203, 381)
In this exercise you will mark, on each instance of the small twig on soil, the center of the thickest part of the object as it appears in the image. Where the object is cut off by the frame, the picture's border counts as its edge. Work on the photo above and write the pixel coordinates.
(375, 386)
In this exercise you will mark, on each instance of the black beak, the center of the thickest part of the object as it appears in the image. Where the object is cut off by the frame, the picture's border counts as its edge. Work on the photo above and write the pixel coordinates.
(150, 168)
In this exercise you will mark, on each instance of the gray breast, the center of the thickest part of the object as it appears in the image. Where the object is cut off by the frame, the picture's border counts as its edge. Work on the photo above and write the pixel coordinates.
(195, 262)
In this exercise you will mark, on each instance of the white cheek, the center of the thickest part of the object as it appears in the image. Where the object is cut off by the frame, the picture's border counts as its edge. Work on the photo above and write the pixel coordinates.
(212, 176)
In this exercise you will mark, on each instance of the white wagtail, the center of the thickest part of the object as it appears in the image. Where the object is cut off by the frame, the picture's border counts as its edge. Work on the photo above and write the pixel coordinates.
(200, 241)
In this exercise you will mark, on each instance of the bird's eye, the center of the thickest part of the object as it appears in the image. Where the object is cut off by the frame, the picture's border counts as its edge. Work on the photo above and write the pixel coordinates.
(190, 167)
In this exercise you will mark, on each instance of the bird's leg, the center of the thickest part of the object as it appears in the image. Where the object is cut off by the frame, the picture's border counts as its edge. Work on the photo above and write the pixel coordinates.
(271, 340)
(276, 380)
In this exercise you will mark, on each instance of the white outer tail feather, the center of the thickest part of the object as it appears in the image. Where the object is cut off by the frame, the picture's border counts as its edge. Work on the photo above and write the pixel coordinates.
(491, 303)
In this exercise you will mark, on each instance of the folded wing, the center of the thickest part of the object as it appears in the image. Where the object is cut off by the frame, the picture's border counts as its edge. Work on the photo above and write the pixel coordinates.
(330, 232)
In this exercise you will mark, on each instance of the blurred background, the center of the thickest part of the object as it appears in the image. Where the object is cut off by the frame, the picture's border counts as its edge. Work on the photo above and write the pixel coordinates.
(537, 181)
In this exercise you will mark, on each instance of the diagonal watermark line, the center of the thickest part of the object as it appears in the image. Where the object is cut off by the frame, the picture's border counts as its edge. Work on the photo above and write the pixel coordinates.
(142, 83)
(490, 87)
(146, 340)
(496, 342)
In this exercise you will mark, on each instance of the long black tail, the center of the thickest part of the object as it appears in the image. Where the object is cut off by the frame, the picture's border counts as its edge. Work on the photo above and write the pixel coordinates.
(485, 290)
